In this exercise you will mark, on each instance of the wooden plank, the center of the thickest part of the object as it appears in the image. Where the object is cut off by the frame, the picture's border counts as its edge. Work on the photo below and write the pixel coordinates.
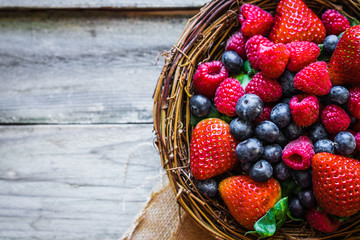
(82, 69)
(101, 3)
(74, 182)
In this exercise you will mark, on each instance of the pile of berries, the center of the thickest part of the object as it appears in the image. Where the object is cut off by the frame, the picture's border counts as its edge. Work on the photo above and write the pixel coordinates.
(280, 113)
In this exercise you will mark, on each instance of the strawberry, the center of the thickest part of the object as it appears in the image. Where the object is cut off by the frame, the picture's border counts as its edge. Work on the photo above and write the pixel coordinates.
(212, 149)
(336, 182)
(344, 66)
(273, 60)
(294, 21)
(248, 200)
(254, 20)
(301, 54)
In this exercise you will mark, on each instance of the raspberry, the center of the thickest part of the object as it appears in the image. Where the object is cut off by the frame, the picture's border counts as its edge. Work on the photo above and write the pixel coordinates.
(268, 90)
(321, 221)
(227, 95)
(265, 115)
(254, 20)
(273, 60)
(353, 103)
(335, 119)
(237, 43)
(335, 23)
(252, 46)
(313, 79)
(298, 153)
(304, 109)
(208, 77)
(357, 139)
(301, 54)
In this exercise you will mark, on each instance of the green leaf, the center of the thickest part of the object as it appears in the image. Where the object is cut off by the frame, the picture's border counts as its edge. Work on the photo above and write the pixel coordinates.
(288, 187)
(281, 208)
(266, 226)
(240, 76)
(340, 35)
(214, 113)
(247, 67)
(245, 81)
(226, 118)
(354, 22)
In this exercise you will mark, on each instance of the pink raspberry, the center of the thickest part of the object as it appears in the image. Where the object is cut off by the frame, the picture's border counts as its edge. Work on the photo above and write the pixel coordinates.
(268, 90)
(252, 46)
(353, 103)
(357, 138)
(298, 153)
(254, 20)
(335, 23)
(227, 95)
(321, 221)
(237, 43)
(265, 115)
(335, 119)
(304, 109)
(208, 77)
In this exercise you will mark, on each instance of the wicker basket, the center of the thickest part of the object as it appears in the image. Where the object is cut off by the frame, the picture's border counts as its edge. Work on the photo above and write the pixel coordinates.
(203, 40)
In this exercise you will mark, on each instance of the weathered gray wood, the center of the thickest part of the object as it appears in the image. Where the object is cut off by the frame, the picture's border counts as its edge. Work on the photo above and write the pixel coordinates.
(80, 69)
(101, 3)
(74, 182)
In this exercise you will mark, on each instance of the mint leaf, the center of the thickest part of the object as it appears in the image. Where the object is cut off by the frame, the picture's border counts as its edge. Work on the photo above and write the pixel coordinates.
(288, 187)
(245, 81)
(354, 22)
(266, 226)
(281, 208)
(247, 67)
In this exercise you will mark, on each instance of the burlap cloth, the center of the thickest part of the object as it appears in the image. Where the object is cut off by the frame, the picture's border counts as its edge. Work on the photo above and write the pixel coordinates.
(162, 218)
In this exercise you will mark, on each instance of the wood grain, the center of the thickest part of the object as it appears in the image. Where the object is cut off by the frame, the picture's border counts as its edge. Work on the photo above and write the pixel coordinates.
(74, 182)
(82, 70)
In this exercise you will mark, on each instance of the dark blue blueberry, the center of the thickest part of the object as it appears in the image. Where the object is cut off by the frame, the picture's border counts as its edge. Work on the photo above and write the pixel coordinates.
(339, 95)
(303, 178)
(249, 107)
(282, 141)
(261, 171)
(353, 120)
(246, 166)
(307, 198)
(249, 150)
(324, 145)
(286, 100)
(282, 172)
(286, 81)
(281, 115)
(241, 129)
(267, 131)
(232, 61)
(292, 131)
(330, 43)
(345, 143)
(208, 187)
(317, 131)
(199, 105)
(295, 208)
(272, 153)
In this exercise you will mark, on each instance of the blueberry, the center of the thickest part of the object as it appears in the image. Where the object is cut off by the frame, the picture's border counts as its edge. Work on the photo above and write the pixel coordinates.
(293, 131)
(261, 171)
(324, 145)
(249, 150)
(267, 131)
(232, 61)
(246, 166)
(307, 198)
(281, 140)
(281, 115)
(286, 81)
(303, 178)
(286, 100)
(339, 95)
(272, 153)
(295, 208)
(241, 129)
(330, 43)
(317, 131)
(282, 172)
(208, 187)
(199, 105)
(249, 107)
(345, 143)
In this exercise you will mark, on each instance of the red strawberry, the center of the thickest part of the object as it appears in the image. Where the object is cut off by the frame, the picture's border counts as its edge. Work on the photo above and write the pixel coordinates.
(344, 66)
(208, 77)
(227, 95)
(353, 103)
(273, 60)
(268, 89)
(252, 46)
(335, 23)
(313, 79)
(301, 54)
(212, 149)
(336, 183)
(294, 21)
(237, 43)
(248, 200)
(321, 221)
(254, 20)
(304, 109)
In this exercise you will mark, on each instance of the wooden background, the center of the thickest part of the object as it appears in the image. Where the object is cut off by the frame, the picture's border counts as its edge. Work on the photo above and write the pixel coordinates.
(77, 159)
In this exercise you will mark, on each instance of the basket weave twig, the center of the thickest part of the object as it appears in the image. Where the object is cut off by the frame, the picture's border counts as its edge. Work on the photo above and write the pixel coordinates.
(203, 40)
